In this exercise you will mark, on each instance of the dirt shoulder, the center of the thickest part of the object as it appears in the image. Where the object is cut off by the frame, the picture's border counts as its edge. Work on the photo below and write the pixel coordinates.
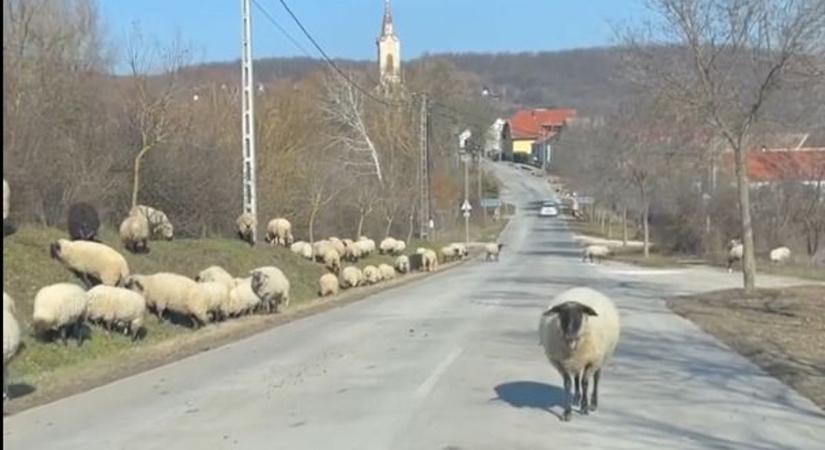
(780, 330)
(76, 379)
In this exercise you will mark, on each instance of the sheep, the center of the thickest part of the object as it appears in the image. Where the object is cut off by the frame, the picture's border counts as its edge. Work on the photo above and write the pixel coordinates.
(420, 250)
(371, 274)
(279, 232)
(398, 247)
(429, 260)
(6, 199)
(115, 306)
(272, 286)
(242, 299)
(352, 252)
(402, 264)
(134, 233)
(159, 224)
(386, 271)
(780, 254)
(347, 242)
(246, 228)
(165, 291)
(319, 248)
(461, 249)
(367, 245)
(327, 285)
(59, 307)
(338, 245)
(599, 252)
(416, 262)
(387, 246)
(214, 293)
(351, 276)
(449, 253)
(83, 222)
(493, 250)
(332, 261)
(579, 331)
(302, 248)
(735, 252)
(11, 338)
(93, 262)
(217, 274)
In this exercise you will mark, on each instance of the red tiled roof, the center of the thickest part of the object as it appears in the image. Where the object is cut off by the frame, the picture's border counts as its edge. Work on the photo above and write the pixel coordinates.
(535, 123)
(771, 166)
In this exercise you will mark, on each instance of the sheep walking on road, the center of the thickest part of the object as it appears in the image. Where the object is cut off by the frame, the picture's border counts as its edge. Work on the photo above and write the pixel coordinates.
(493, 251)
(735, 252)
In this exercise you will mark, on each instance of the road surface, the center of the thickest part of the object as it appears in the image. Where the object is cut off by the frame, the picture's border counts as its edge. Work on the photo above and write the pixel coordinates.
(450, 362)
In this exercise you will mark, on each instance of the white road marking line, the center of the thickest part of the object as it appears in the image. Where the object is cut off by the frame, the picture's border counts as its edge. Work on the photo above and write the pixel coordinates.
(424, 389)
(644, 272)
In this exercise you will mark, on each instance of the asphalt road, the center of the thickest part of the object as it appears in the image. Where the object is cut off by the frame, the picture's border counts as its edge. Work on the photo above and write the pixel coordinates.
(450, 362)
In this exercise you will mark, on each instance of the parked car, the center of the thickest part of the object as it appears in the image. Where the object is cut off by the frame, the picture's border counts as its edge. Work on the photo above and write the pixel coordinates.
(549, 209)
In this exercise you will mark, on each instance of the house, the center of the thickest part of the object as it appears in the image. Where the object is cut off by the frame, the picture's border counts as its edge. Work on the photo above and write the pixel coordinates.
(528, 135)
(803, 161)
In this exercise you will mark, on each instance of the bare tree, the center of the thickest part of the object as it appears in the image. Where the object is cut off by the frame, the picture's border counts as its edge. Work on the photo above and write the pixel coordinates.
(732, 57)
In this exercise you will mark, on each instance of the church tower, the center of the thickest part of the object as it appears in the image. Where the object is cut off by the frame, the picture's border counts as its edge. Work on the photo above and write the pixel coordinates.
(389, 51)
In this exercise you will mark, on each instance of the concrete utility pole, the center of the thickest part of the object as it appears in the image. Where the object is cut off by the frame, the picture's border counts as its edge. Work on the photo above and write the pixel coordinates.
(466, 207)
(248, 114)
(424, 170)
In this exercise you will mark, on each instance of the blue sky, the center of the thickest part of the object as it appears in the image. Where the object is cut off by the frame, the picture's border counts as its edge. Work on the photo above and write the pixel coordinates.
(347, 28)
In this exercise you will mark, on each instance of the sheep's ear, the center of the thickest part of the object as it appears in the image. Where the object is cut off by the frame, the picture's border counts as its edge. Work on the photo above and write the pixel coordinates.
(553, 310)
(589, 311)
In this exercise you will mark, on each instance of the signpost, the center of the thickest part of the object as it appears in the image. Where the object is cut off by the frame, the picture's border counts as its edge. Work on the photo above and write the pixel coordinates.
(466, 208)
(490, 202)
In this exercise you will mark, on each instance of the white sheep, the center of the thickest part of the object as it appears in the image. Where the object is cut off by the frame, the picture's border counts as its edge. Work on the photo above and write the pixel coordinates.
(597, 251)
(6, 199)
(579, 331)
(319, 248)
(115, 306)
(246, 224)
(272, 286)
(327, 285)
(242, 299)
(398, 247)
(387, 245)
(429, 260)
(493, 250)
(93, 262)
(217, 274)
(279, 232)
(134, 233)
(461, 249)
(215, 294)
(302, 248)
(332, 260)
(386, 271)
(159, 224)
(165, 291)
(735, 252)
(371, 274)
(11, 338)
(337, 244)
(367, 245)
(352, 252)
(60, 307)
(780, 254)
(351, 276)
(449, 253)
(402, 264)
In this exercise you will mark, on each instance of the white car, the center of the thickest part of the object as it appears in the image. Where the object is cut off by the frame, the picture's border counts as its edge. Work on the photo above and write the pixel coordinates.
(549, 209)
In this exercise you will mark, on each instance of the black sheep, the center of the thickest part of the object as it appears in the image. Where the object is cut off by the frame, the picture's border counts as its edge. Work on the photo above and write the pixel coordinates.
(83, 222)
(416, 262)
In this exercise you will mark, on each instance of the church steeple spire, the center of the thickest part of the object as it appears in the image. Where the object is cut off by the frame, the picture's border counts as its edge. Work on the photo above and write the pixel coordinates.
(389, 51)
(386, 24)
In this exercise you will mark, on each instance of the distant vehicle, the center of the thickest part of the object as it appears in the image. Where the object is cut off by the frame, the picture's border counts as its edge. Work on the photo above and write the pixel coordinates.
(549, 209)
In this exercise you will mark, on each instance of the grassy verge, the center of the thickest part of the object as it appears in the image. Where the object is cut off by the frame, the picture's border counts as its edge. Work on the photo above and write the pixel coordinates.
(780, 330)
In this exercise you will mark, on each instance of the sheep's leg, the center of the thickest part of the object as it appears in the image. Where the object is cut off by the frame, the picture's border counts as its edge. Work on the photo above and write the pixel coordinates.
(77, 330)
(577, 386)
(568, 410)
(64, 330)
(5, 382)
(594, 402)
(585, 380)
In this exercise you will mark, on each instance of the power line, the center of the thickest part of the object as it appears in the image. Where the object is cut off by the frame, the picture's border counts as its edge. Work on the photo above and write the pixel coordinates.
(280, 28)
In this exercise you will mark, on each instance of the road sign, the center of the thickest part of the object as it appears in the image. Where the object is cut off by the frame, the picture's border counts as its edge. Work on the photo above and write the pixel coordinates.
(585, 200)
(466, 207)
(490, 202)
(466, 214)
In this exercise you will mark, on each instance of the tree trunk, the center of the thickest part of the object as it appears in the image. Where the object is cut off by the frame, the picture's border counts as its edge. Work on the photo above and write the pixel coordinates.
(610, 225)
(136, 175)
(412, 226)
(312, 213)
(390, 220)
(624, 226)
(646, 225)
(742, 184)
(360, 224)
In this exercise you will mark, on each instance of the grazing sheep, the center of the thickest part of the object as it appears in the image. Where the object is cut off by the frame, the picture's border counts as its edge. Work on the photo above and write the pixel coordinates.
(579, 331)
(599, 252)
(6, 199)
(217, 274)
(337, 244)
(386, 271)
(398, 247)
(780, 254)
(115, 306)
(352, 252)
(272, 286)
(387, 246)
(421, 250)
(166, 291)
(367, 245)
(83, 222)
(493, 250)
(134, 233)
(416, 262)
(735, 252)
(11, 338)
(159, 224)
(279, 232)
(60, 307)
(319, 248)
(302, 248)
(450, 253)
(371, 274)
(327, 285)
(461, 249)
(246, 228)
(92, 262)
(429, 259)
(351, 276)
(402, 264)
(332, 261)
(242, 299)
(214, 293)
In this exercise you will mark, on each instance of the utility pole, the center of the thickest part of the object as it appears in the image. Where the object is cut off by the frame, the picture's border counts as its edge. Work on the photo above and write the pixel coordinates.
(248, 114)
(479, 188)
(466, 206)
(424, 170)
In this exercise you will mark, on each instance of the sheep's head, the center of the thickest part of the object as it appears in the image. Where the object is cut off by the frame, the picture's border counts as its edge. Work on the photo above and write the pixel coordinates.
(572, 317)
(133, 283)
(54, 250)
(167, 231)
(258, 279)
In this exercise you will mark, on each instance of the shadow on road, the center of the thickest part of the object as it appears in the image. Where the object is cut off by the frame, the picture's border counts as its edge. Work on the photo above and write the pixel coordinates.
(530, 394)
